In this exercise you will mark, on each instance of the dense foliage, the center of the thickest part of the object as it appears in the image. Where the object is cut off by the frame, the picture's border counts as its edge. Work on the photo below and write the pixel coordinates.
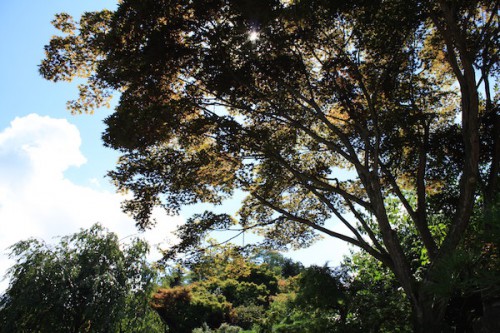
(88, 282)
(224, 287)
(241, 291)
(321, 111)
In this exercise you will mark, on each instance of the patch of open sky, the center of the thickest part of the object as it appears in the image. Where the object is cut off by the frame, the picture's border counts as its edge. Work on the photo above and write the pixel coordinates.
(23, 91)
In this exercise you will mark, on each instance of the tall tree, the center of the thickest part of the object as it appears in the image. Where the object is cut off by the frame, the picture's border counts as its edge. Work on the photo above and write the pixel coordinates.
(276, 98)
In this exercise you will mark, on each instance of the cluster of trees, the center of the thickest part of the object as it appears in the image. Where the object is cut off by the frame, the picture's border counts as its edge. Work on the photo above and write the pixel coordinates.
(382, 116)
(361, 295)
(89, 282)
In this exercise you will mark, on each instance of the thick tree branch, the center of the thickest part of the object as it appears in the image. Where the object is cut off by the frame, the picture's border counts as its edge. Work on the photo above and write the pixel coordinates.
(324, 230)
(421, 221)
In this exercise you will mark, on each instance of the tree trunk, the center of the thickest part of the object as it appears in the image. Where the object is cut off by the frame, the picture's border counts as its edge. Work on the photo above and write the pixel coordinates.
(489, 322)
(428, 313)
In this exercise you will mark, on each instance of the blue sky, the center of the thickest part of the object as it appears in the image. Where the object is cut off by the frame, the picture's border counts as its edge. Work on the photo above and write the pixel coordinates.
(52, 164)
(24, 29)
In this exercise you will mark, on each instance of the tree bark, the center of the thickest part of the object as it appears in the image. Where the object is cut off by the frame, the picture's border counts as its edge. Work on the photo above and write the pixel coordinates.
(428, 311)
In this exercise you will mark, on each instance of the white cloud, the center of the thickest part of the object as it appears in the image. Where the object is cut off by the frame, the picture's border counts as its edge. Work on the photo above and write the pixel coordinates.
(36, 200)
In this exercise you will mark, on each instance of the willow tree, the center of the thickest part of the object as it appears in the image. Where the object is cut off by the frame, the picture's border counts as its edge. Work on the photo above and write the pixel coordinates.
(318, 110)
(88, 282)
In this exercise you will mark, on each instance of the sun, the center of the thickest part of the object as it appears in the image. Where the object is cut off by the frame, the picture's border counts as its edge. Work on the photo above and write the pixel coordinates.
(253, 36)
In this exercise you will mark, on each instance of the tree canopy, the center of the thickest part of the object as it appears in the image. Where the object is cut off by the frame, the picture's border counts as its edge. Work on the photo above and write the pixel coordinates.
(318, 110)
(86, 283)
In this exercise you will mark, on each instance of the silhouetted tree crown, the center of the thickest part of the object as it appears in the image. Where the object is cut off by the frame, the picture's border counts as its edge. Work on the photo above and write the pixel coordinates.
(319, 111)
